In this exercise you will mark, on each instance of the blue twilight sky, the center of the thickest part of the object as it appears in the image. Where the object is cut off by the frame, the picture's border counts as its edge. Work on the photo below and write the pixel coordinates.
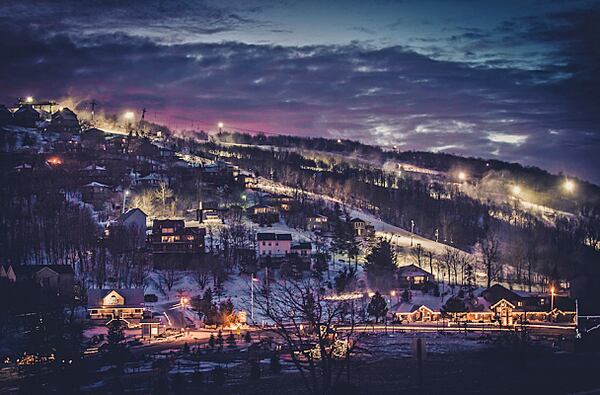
(513, 80)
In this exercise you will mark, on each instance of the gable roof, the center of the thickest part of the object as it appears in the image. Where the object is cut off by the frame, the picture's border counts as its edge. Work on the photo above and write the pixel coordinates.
(124, 217)
(497, 292)
(412, 271)
(30, 270)
(134, 297)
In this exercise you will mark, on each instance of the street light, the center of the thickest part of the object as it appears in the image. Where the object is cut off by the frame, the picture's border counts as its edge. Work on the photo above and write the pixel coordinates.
(29, 99)
(129, 115)
(412, 231)
(252, 280)
(551, 298)
(220, 125)
(569, 185)
(462, 175)
(516, 190)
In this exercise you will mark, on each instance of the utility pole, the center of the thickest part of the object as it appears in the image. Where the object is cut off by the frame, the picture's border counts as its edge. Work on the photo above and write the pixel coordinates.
(93, 103)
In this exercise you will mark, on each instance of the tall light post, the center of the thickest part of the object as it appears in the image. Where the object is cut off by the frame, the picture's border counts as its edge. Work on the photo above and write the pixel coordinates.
(252, 280)
(437, 235)
(412, 231)
(551, 298)
(220, 125)
(125, 194)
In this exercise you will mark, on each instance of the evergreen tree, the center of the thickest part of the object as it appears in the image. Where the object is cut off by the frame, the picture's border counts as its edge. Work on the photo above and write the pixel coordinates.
(377, 307)
(231, 340)
(220, 341)
(381, 266)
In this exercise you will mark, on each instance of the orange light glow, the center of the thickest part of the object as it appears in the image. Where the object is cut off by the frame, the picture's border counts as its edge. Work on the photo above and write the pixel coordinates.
(55, 160)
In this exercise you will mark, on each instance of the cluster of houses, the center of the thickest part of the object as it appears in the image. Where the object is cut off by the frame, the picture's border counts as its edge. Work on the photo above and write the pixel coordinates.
(497, 304)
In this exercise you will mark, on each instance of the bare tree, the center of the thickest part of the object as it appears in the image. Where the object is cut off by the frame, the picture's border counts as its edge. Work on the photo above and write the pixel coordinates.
(304, 320)
(163, 193)
(489, 248)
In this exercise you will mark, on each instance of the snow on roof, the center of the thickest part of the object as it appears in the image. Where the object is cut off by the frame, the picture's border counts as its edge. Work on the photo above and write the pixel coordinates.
(96, 184)
(412, 271)
(134, 297)
(94, 167)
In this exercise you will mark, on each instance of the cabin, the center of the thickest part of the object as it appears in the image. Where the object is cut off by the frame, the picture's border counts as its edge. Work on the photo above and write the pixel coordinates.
(274, 244)
(107, 305)
(412, 276)
(362, 228)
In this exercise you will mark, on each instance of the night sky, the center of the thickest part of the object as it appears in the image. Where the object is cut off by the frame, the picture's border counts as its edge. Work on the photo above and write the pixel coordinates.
(512, 80)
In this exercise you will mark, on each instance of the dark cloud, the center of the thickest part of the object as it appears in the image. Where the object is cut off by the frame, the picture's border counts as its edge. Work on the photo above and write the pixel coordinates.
(392, 95)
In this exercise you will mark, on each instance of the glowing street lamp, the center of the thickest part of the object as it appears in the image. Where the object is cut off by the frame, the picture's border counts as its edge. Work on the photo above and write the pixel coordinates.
(462, 175)
(129, 115)
(516, 190)
(551, 298)
(220, 125)
(29, 99)
(569, 185)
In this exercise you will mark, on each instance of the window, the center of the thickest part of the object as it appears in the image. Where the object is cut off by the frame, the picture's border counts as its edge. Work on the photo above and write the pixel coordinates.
(168, 230)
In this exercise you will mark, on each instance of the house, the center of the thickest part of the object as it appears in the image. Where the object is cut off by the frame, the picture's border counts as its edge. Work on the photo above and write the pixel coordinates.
(172, 236)
(149, 181)
(274, 244)
(93, 139)
(95, 193)
(134, 221)
(59, 279)
(26, 116)
(317, 223)
(282, 202)
(412, 276)
(219, 173)
(111, 304)
(134, 217)
(302, 249)
(64, 121)
(362, 228)
(496, 304)
(6, 116)
(263, 213)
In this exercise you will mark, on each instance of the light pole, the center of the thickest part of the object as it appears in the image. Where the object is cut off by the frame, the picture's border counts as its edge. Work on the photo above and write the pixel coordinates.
(220, 124)
(412, 231)
(551, 298)
(252, 280)
(125, 194)
(437, 235)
